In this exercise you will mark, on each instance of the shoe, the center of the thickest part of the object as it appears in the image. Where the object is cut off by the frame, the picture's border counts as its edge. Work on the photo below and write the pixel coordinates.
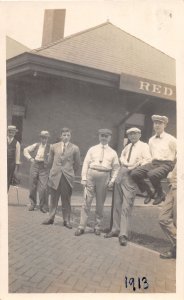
(31, 208)
(149, 197)
(123, 240)
(111, 234)
(48, 222)
(79, 231)
(67, 225)
(159, 199)
(97, 231)
(168, 254)
(43, 210)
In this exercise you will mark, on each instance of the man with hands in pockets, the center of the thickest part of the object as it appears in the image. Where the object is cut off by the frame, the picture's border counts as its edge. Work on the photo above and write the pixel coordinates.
(99, 171)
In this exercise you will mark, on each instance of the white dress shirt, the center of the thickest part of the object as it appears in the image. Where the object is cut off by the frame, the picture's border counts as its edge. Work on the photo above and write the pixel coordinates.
(17, 151)
(40, 154)
(62, 145)
(92, 160)
(140, 154)
(163, 148)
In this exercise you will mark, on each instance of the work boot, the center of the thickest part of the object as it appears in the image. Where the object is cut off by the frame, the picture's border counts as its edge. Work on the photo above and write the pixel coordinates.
(159, 199)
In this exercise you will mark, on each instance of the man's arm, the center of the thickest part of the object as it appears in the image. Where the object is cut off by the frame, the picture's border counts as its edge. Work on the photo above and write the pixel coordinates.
(17, 156)
(115, 169)
(86, 165)
(27, 151)
(146, 155)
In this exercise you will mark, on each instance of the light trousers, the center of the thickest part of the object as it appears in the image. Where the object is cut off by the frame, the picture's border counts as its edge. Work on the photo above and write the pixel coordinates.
(97, 183)
(124, 196)
(38, 181)
(167, 218)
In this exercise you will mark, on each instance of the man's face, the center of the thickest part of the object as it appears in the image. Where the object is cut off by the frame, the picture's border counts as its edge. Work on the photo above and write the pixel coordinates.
(44, 140)
(104, 138)
(65, 137)
(11, 133)
(159, 127)
(134, 137)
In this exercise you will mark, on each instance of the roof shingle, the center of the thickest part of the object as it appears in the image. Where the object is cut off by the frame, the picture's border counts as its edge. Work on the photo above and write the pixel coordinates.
(109, 48)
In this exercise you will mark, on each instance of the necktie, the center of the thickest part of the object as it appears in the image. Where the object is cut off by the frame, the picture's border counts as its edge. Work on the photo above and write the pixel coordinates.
(101, 155)
(129, 154)
(64, 148)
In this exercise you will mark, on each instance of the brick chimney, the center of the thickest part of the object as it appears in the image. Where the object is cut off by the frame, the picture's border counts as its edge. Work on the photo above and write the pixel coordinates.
(53, 28)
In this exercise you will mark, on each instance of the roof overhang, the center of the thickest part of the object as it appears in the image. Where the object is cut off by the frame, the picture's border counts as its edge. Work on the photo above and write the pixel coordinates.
(33, 64)
(28, 63)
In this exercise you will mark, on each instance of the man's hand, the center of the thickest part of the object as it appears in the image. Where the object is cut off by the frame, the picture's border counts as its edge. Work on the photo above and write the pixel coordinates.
(110, 184)
(84, 182)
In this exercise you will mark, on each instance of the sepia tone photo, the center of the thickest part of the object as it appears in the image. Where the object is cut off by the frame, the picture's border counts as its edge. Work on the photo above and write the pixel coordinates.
(91, 148)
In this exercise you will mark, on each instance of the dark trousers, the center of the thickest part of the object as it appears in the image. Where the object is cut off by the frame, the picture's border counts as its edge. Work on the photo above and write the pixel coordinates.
(65, 191)
(38, 181)
(155, 171)
(10, 172)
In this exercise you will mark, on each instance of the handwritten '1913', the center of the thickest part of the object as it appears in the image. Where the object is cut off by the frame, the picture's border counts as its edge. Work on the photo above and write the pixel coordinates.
(140, 283)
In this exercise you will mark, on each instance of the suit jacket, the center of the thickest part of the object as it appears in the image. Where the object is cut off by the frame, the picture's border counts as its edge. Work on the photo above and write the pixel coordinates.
(66, 164)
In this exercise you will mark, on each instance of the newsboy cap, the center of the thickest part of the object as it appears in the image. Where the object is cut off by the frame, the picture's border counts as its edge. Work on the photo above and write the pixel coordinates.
(133, 129)
(162, 119)
(105, 131)
(44, 133)
(12, 128)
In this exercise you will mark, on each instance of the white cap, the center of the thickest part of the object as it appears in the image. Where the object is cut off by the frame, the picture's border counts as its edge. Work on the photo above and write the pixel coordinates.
(133, 129)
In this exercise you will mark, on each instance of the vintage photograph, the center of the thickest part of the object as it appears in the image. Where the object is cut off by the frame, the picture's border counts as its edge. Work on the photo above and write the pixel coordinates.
(91, 147)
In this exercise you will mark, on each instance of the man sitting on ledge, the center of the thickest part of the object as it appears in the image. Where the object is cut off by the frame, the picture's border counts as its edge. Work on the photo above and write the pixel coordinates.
(163, 151)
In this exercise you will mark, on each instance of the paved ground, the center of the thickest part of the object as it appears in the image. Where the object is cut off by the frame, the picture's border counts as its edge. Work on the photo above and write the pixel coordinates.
(50, 259)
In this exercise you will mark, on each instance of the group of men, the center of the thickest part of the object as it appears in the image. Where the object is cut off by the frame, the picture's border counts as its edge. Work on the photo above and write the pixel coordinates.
(53, 169)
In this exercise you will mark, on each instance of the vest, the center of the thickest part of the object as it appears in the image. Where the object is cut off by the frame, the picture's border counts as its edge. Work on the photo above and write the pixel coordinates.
(11, 150)
(46, 152)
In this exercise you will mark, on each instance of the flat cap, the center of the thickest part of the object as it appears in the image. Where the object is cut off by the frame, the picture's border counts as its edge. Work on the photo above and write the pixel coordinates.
(44, 133)
(162, 119)
(12, 128)
(105, 131)
(133, 129)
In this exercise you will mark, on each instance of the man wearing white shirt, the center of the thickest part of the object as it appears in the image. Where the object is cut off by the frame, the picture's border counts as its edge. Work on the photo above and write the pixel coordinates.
(13, 154)
(37, 154)
(133, 155)
(163, 151)
(99, 171)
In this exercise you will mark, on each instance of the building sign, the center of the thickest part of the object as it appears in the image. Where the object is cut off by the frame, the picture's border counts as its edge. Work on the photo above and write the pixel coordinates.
(147, 87)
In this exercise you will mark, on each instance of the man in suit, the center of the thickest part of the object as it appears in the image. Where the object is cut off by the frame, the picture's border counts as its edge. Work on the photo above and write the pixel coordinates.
(99, 171)
(163, 151)
(13, 154)
(64, 160)
(37, 154)
(135, 154)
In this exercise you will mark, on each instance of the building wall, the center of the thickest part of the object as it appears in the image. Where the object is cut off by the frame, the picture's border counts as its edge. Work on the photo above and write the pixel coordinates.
(53, 104)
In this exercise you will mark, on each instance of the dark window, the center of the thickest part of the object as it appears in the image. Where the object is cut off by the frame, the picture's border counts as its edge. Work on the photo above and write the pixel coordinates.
(18, 122)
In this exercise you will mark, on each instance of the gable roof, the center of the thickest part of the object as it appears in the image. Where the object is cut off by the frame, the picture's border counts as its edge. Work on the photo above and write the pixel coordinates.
(109, 48)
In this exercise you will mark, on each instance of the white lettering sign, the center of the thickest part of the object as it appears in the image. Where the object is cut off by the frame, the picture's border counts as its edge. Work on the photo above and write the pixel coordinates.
(155, 88)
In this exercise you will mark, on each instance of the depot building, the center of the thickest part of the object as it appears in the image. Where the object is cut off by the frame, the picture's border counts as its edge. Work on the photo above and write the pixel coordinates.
(102, 77)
